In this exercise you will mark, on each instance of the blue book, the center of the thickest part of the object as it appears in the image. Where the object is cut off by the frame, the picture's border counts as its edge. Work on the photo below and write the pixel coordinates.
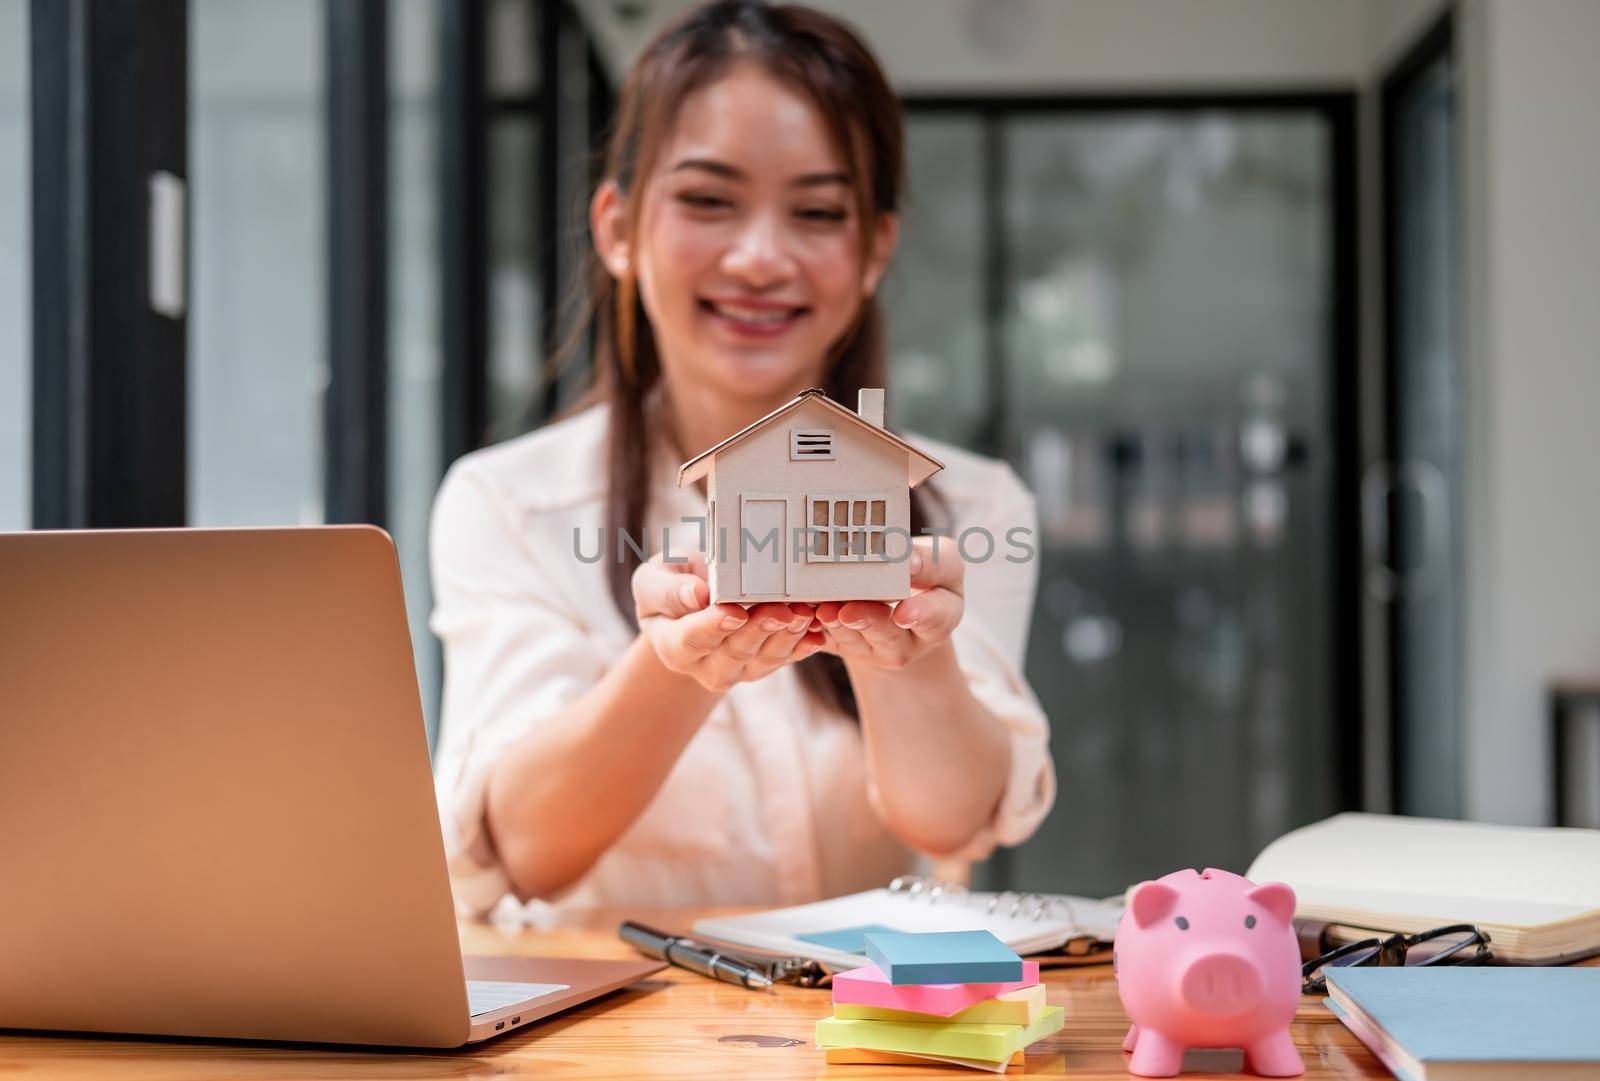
(1439, 1023)
(943, 957)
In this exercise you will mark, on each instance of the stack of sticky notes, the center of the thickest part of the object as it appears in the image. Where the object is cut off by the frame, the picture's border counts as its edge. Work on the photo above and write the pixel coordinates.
(957, 997)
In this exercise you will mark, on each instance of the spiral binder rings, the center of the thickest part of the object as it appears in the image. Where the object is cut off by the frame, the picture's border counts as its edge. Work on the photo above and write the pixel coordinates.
(1029, 923)
(1029, 906)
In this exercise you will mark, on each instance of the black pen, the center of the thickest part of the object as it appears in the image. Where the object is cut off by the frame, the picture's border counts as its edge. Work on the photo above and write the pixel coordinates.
(689, 954)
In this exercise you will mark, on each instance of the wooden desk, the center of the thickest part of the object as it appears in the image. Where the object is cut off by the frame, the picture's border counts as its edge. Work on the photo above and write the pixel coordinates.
(675, 1025)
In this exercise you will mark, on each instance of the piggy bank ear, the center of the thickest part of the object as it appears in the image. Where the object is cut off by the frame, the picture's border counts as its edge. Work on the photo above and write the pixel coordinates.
(1276, 898)
(1151, 901)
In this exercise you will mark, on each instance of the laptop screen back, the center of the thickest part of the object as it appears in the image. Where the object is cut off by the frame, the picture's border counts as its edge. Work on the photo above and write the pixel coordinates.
(216, 811)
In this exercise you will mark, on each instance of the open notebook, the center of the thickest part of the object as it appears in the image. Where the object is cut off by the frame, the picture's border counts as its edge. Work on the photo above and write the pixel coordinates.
(832, 931)
(1536, 891)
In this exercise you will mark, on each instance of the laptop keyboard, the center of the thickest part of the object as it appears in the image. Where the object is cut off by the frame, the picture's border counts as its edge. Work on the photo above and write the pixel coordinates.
(484, 996)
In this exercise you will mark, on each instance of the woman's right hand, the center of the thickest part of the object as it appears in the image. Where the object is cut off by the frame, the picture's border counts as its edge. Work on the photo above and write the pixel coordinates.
(717, 645)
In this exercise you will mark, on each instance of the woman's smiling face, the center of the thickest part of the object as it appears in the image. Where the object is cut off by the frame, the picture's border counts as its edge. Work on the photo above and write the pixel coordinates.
(748, 258)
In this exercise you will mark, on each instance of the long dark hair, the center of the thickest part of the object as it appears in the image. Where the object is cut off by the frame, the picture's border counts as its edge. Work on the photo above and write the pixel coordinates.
(821, 58)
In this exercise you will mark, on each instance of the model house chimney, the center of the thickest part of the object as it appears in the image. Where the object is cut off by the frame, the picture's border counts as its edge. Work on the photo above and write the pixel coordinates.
(869, 406)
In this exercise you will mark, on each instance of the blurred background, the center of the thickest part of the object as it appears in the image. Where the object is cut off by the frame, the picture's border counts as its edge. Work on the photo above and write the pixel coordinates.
(1285, 309)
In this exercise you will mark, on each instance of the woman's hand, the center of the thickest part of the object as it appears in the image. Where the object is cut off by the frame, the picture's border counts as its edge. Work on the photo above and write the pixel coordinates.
(873, 633)
(717, 645)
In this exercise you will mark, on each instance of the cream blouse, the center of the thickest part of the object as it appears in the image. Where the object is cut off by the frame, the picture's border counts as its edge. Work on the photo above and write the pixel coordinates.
(770, 802)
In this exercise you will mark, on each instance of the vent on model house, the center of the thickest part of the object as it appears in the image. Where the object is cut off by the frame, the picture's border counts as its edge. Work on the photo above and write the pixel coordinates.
(810, 444)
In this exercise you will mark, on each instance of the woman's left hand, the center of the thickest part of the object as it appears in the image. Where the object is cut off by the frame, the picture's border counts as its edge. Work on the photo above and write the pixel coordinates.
(885, 636)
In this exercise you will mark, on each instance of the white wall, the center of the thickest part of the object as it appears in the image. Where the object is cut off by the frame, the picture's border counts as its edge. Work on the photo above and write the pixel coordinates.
(1392, 27)
(1037, 46)
(1530, 170)
(1532, 174)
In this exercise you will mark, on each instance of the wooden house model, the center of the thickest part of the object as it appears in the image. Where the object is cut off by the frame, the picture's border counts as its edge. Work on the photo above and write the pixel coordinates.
(810, 503)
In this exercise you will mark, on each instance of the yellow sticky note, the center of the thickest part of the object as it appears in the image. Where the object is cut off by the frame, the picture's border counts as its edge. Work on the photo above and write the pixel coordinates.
(856, 1056)
(993, 1043)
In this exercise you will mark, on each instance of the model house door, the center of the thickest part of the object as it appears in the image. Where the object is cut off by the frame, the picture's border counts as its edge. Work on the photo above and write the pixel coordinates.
(762, 526)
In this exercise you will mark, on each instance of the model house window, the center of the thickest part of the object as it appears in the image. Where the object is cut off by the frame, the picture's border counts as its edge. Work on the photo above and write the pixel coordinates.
(811, 444)
(847, 529)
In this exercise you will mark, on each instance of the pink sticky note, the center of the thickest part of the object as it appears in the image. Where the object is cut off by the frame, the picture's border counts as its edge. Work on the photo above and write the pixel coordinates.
(866, 986)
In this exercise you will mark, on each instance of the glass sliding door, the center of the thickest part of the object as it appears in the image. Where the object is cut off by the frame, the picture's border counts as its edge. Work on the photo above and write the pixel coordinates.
(515, 290)
(934, 293)
(1421, 484)
(258, 370)
(16, 357)
(513, 48)
(416, 345)
(1165, 295)
(547, 100)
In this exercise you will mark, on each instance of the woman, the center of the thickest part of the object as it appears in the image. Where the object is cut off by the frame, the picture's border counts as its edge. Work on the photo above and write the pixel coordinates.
(609, 736)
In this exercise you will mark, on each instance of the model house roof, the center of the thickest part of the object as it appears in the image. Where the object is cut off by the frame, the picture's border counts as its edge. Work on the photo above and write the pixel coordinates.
(921, 466)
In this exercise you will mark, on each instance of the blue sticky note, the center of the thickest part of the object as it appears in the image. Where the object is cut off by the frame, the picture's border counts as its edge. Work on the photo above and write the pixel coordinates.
(943, 957)
(847, 939)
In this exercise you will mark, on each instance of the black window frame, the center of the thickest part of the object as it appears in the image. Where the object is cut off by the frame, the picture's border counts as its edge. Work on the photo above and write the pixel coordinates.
(109, 86)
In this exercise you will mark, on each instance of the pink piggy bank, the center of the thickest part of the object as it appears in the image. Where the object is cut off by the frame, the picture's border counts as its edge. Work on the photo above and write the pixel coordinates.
(1208, 960)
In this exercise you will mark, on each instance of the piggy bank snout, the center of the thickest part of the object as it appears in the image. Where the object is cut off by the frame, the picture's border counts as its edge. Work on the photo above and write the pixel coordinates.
(1221, 984)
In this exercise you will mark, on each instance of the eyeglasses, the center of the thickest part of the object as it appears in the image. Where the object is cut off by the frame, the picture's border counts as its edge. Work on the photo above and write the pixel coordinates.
(1457, 944)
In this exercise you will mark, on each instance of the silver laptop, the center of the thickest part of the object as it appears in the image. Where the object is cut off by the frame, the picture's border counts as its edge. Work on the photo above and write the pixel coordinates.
(216, 812)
